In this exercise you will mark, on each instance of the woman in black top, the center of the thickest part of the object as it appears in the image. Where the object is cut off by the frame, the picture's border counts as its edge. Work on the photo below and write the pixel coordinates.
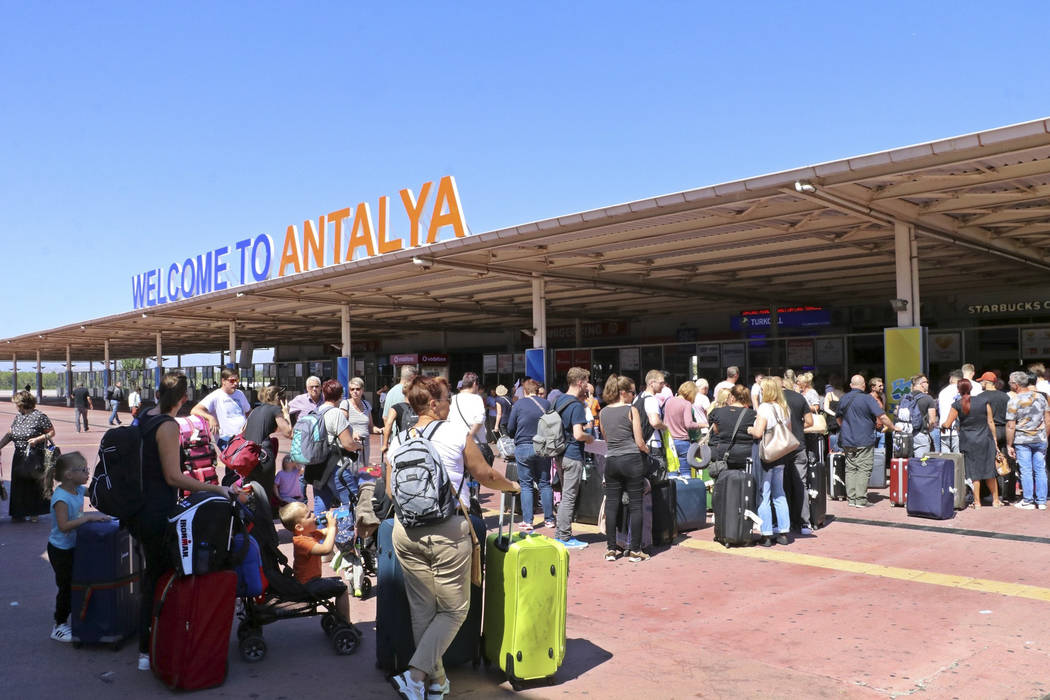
(624, 465)
(269, 417)
(976, 440)
(722, 421)
(30, 431)
(162, 478)
(503, 407)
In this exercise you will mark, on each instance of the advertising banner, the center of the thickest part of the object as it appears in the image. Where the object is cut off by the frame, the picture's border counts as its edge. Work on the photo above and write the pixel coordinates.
(708, 356)
(1035, 343)
(535, 365)
(905, 357)
(629, 359)
(800, 354)
(488, 364)
(734, 355)
(946, 347)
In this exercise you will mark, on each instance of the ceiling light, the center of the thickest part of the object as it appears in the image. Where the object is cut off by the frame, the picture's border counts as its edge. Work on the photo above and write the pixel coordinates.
(144, 316)
(807, 188)
(423, 263)
(83, 328)
(240, 294)
(40, 336)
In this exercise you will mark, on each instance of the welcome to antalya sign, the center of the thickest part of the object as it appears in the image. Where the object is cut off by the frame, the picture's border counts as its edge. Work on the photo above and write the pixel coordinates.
(319, 244)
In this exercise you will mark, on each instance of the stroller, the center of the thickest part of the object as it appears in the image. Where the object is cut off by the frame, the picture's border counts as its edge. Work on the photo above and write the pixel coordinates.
(283, 597)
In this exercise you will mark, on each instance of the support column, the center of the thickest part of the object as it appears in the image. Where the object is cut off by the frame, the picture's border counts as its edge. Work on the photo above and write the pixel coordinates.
(105, 368)
(39, 379)
(344, 364)
(14, 373)
(158, 371)
(579, 332)
(69, 376)
(539, 312)
(907, 269)
(233, 343)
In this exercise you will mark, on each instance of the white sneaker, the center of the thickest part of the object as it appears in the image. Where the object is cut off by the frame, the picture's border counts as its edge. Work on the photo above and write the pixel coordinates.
(407, 688)
(62, 633)
(1040, 506)
(438, 692)
(1025, 505)
(143, 662)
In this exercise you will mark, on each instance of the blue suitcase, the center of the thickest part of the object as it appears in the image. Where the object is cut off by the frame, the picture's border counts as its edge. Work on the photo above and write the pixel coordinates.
(690, 503)
(931, 488)
(394, 642)
(107, 568)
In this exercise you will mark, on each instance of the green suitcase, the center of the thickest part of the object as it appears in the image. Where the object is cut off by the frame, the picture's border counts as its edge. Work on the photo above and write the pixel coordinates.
(523, 624)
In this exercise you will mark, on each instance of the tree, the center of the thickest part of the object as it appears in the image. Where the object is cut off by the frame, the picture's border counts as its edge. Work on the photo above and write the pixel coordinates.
(134, 363)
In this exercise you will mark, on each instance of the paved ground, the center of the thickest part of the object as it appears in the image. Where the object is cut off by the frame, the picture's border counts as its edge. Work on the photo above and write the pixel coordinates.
(876, 605)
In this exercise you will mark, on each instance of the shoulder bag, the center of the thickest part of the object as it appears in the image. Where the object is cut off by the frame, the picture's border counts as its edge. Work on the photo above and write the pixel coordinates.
(778, 440)
(720, 465)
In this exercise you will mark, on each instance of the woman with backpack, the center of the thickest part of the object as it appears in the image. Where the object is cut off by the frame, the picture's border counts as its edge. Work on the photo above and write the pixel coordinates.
(435, 554)
(162, 479)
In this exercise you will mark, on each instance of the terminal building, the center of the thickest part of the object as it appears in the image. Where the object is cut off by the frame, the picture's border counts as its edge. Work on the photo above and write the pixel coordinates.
(804, 269)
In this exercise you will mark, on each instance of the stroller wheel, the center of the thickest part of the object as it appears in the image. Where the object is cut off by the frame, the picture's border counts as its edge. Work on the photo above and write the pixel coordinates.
(245, 630)
(328, 623)
(345, 640)
(253, 648)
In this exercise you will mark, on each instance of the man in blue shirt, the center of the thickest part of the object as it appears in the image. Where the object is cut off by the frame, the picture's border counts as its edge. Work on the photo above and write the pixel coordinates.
(524, 418)
(859, 415)
(570, 464)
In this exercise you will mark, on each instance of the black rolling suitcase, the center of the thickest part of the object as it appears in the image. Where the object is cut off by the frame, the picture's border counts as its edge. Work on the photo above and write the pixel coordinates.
(591, 494)
(394, 642)
(665, 512)
(734, 504)
(818, 494)
(837, 476)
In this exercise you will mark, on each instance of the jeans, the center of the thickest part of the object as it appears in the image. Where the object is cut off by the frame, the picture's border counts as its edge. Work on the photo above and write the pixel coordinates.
(78, 415)
(949, 440)
(773, 490)
(571, 473)
(859, 463)
(800, 460)
(62, 562)
(113, 405)
(1032, 458)
(624, 473)
(921, 444)
(534, 470)
(681, 448)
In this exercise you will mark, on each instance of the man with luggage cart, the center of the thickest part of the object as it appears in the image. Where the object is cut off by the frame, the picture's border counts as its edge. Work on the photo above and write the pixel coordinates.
(858, 414)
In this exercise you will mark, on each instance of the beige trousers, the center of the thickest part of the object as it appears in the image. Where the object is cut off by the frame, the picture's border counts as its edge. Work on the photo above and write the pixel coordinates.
(436, 563)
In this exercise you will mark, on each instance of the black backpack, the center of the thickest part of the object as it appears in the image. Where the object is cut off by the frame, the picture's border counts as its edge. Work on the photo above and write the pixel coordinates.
(647, 427)
(116, 485)
(916, 417)
(405, 417)
(200, 536)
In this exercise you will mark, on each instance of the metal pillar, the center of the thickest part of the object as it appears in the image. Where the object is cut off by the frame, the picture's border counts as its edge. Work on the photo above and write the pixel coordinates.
(907, 269)
(344, 365)
(39, 379)
(14, 374)
(539, 312)
(105, 368)
(69, 376)
(233, 343)
(158, 371)
(579, 332)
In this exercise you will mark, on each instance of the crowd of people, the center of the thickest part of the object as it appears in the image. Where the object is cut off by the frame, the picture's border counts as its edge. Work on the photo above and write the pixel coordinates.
(994, 416)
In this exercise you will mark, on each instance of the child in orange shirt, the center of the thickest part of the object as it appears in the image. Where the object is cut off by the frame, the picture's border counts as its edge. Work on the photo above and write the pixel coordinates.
(309, 544)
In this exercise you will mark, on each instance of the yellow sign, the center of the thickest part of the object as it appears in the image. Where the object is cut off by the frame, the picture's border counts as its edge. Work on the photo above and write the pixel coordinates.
(905, 357)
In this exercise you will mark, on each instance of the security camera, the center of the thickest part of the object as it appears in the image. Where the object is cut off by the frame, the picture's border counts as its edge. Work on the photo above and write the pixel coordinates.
(805, 187)
(423, 263)
(531, 332)
(899, 304)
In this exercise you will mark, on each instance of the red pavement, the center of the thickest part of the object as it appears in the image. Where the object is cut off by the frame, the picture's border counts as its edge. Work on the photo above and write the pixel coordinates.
(690, 622)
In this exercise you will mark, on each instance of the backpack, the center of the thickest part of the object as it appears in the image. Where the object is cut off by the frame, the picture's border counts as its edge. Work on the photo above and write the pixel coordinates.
(310, 443)
(200, 535)
(549, 440)
(422, 491)
(647, 427)
(116, 485)
(406, 418)
(908, 412)
(109, 394)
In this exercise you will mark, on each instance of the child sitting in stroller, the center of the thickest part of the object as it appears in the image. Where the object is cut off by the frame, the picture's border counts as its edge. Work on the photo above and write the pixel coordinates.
(309, 545)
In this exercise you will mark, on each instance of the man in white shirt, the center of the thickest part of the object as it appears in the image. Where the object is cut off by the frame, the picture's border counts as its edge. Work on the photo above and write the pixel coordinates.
(1041, 384)
(134, 400)
(701, 404)
(651, 406)
(969, 372)
(467, 410)
(948, 440)
(226, 409)
(756, 390)
(732, 376)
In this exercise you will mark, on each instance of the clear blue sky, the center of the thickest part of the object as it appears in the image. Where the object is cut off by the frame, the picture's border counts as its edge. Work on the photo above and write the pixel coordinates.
(135, 134)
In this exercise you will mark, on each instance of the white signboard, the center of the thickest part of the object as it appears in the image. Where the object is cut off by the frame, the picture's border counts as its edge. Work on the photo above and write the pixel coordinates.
(708, 356)
(628, 359)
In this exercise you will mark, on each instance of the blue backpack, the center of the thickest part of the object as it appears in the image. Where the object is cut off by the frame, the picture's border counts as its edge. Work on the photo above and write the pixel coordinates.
(910, 403)
(310, 444)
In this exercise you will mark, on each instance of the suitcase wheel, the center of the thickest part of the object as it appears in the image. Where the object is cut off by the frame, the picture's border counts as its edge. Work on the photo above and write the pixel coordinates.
(253, 648)
(345, 640)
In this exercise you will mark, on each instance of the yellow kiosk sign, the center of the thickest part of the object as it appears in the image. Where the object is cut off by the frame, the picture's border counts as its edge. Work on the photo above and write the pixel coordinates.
(905, 357)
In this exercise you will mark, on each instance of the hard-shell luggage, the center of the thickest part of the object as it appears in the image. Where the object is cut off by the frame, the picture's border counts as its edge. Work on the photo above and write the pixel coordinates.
(899, 481)
(525, 604)
(837, 477)
(107, 569)
(592, 492)
(960, 475)
(734, 504)
(394, 641)
(623, 522)
(665, 499)
(931, 487)
(690, 503)
(818, 494)
(190, 640)
(877, 480)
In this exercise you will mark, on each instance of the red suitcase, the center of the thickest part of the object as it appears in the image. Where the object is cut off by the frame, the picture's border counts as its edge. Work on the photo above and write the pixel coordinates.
(198, 456)
(208, 475)
(192, 619)
(899, 481)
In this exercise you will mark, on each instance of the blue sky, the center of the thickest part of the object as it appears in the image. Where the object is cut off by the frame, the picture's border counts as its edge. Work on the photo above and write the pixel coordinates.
(135, 134)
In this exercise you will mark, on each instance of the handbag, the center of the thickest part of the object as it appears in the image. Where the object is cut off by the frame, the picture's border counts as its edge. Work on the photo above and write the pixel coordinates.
(778, 440)
(505, 445)
(51, 455)
(670, 453)
(32, 465)
(1002, 465)
(717, 466)
(242, 455)
(820, 425)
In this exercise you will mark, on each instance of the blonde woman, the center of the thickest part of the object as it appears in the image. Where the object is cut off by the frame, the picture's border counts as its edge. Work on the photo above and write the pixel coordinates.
(804, 384)
(771, 411)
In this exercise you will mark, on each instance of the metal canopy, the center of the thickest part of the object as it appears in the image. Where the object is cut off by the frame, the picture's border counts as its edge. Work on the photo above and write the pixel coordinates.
(980, 205)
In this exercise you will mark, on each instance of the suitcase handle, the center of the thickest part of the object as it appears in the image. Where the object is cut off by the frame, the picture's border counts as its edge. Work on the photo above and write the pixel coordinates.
(501, 543)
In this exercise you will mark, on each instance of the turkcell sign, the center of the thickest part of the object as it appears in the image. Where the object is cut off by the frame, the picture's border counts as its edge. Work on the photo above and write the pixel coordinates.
(319, 244)
(787, 317)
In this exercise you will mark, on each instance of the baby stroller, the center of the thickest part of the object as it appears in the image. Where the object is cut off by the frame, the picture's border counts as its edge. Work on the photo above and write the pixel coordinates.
(283, 597)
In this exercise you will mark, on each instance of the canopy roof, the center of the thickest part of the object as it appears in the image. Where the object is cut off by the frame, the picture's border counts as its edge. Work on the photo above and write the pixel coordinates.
(980, 204)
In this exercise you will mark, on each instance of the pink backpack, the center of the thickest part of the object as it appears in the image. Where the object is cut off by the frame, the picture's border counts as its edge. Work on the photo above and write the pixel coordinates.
(193, 430)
